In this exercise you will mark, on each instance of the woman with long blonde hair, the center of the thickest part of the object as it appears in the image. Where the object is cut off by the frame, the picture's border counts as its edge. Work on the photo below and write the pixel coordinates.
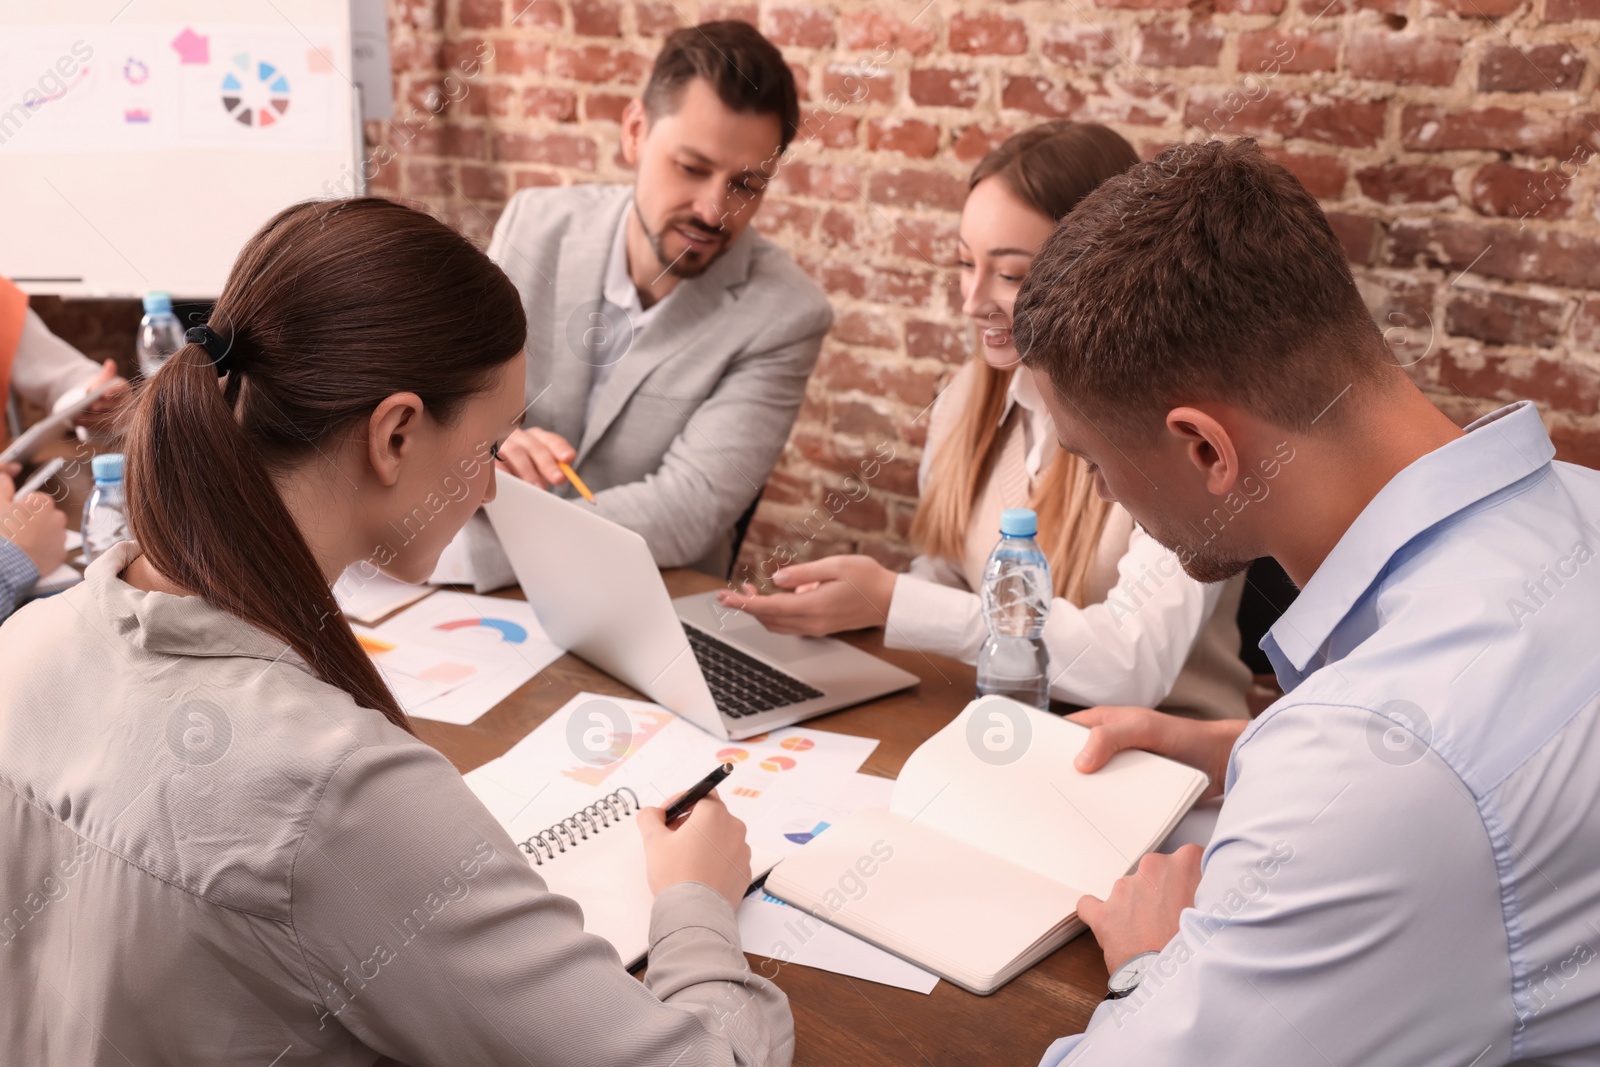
(1127, 625)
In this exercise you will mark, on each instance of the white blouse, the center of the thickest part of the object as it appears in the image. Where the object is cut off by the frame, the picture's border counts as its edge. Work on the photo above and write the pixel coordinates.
(1150, 636)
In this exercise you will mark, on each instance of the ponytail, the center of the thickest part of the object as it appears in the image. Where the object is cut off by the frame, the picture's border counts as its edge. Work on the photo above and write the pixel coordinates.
(207, 514)
(332, 307)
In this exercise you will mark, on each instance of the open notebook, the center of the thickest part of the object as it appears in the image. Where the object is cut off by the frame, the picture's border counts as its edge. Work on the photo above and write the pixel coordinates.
(975, 869)
(596, 857)
(573, 817)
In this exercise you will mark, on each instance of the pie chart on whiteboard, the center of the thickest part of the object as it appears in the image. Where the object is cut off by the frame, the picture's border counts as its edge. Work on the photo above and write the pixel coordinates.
(254, 92)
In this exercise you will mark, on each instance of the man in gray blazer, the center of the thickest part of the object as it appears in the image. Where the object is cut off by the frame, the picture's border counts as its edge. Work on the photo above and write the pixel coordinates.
(669, 343)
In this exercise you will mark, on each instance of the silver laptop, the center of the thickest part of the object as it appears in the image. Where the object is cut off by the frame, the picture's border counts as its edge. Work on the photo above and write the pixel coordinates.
(598, 594)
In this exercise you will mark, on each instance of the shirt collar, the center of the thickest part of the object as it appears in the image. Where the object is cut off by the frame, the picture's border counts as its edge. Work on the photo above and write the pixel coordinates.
(173, 625)
(1497, 450)
(618, 287)
(1023, 393)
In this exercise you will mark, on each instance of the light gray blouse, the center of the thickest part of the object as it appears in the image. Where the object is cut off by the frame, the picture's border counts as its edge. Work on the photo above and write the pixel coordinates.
(210, 856)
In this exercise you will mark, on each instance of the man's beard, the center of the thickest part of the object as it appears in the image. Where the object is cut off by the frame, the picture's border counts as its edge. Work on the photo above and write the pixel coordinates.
(1203, 564)
(689, 263)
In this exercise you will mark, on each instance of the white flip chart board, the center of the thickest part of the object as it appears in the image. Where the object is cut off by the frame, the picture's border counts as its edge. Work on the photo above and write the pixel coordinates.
(143, 141)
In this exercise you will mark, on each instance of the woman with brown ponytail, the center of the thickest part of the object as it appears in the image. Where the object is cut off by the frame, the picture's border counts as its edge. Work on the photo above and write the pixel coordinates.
(1127, 625)
(223, 842)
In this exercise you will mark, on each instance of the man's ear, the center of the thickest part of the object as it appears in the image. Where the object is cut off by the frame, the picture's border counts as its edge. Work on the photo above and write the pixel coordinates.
(1209, 446)
(391, 435)
(635, 124)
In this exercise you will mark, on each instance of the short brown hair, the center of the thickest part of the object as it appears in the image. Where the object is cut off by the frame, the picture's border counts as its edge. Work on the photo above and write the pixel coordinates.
(746, 70)
(1207, 273)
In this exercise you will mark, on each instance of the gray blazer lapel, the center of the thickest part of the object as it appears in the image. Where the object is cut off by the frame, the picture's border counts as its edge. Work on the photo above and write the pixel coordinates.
(692, 311)
(559, 377)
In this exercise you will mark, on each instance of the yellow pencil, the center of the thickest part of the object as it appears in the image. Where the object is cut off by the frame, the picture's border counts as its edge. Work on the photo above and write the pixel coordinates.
(577, 482)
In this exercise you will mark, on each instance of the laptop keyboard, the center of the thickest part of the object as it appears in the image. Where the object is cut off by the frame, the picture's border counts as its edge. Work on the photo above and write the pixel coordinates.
(741, 684)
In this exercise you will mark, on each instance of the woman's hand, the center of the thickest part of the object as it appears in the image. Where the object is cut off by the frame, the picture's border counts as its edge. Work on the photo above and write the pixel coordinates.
(1203, 745)
(829, 595)
(535, 455)
(97, 417)
(708, 847)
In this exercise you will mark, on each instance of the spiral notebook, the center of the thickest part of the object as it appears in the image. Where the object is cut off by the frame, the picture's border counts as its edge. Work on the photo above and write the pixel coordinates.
(572, 807)
(975, 869)
(596, 857)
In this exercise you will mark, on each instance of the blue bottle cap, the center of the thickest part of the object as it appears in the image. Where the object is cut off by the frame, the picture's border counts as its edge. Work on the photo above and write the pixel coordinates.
(157, 302)
(108, 467)
(1019, 522)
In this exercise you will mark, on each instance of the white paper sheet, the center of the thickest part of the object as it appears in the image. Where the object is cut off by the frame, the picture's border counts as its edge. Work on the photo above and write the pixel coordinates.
(769, 927)
(785, 784)
(368, 599)
(501, 639)
(418, 671)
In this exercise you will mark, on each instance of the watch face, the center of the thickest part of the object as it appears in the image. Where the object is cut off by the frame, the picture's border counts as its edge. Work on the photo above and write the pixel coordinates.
(1128, 975)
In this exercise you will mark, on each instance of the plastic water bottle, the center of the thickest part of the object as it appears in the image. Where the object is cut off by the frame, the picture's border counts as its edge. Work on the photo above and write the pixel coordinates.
(1013, 661)
(160, 335)
(105, 521)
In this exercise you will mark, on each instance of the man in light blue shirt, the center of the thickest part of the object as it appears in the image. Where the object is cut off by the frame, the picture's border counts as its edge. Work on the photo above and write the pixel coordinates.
(1406, 867)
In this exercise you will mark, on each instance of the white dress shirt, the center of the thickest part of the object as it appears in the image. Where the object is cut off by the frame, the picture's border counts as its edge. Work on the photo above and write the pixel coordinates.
(620, 292)
(1406, 868)
(46, 368)
(1150, 632)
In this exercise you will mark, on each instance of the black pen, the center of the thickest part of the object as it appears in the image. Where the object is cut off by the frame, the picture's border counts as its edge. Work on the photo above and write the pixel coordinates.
(698, 792)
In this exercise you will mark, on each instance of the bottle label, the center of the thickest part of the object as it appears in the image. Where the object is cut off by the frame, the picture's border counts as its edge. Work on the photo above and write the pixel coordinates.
(102, 528)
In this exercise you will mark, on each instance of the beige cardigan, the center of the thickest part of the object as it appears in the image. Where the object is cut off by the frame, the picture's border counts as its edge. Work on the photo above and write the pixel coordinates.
(1150, 635)
(213, 857)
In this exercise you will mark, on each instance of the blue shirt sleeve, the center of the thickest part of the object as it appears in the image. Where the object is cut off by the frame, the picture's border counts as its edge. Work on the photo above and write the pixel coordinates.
(1348, 912)
(17, 576)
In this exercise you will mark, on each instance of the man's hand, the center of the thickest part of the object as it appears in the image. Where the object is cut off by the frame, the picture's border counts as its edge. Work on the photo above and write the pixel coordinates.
(34, 525)
(1141, 914)
(534, 454)
(830, 595)
(1203, 745)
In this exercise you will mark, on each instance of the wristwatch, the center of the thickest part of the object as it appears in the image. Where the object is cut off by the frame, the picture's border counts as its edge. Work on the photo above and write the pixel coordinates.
(1127, 977)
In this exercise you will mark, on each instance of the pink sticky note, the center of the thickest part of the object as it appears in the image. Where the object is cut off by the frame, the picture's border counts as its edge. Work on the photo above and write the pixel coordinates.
(192, 47)
(317, 61)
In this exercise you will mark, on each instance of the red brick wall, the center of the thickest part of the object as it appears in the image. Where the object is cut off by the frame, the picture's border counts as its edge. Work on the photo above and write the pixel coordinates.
(1445, 138)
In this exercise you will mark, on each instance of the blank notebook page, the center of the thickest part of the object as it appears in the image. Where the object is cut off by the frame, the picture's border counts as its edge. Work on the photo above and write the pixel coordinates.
(605, 874)
(1082, 830)
(956, 910)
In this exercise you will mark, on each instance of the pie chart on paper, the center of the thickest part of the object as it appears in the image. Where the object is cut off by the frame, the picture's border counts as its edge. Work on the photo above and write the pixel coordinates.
(254, 92)
(508, 631)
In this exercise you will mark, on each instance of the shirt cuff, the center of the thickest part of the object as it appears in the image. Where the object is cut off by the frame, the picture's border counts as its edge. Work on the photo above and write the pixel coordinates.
(1059, 1050)
(938, 619)
(688, 905)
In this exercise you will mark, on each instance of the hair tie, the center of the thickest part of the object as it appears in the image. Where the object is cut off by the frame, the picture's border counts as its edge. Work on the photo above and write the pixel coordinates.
(216, 346)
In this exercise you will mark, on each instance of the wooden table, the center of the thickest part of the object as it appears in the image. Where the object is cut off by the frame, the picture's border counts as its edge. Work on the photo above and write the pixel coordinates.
(840, 1020)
